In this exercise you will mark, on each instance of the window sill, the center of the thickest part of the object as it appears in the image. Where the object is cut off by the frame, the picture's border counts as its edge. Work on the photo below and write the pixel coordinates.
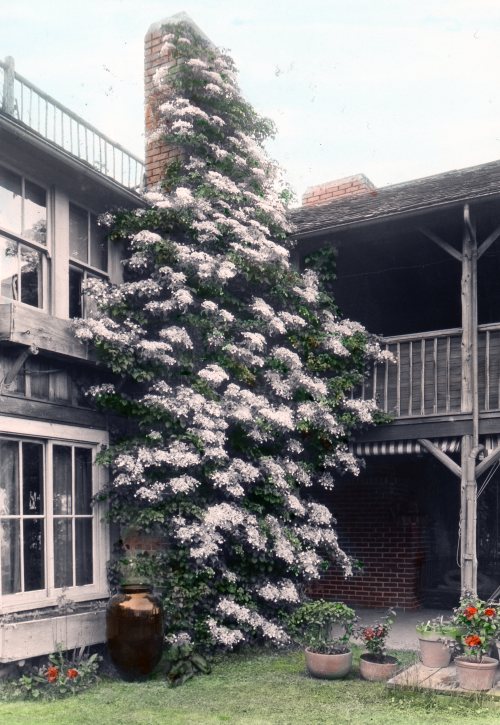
(35, 637)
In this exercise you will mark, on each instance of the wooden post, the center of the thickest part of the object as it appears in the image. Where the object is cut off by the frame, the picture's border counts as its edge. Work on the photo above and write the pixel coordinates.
(8, 102)
(469, 401)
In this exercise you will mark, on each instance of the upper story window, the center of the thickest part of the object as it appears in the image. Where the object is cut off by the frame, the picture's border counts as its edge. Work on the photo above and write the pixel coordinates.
(88, 252)
(23, 239)
(87, 240)
(23, 207)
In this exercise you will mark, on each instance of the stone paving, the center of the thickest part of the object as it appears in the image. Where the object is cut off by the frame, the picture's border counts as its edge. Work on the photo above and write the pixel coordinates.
(439, 679)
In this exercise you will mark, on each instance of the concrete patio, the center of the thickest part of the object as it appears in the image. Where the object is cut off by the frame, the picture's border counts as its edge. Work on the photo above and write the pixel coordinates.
(402, 634)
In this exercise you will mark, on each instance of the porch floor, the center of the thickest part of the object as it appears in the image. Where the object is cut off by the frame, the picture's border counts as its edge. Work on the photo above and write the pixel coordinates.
(438, 679)
(404, 637)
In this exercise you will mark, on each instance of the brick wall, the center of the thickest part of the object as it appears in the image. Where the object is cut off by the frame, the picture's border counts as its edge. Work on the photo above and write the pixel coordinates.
(379, 524)
(157, 154)
(338, 189)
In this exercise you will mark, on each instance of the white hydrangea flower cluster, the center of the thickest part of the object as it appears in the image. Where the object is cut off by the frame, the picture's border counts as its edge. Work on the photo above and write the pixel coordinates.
(223, 340)
(364, 409)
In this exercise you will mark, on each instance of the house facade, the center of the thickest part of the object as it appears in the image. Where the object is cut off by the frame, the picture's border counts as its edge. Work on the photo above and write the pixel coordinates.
(418, 264)
(57, 174)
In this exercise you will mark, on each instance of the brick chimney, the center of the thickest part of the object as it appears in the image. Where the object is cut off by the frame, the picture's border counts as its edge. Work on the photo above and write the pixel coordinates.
(338, 189)
(158, 154)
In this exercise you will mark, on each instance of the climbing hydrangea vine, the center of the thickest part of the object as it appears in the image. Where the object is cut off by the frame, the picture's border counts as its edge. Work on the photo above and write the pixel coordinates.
(233, 371)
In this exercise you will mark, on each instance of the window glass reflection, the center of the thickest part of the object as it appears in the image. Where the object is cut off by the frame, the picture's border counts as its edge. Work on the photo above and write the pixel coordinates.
(35, 213)
(9, 268)
(31, 277)
(98, 245)
(75, 292)
(10, 200)
(78, 233)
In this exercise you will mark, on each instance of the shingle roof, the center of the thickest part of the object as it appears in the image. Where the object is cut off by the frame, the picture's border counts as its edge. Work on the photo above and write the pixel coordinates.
(454, 186)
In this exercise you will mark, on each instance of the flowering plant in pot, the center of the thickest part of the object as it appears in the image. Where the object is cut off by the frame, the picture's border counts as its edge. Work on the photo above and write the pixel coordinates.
(480, 624)
(437, 638)
(376, 665)
(324, 629)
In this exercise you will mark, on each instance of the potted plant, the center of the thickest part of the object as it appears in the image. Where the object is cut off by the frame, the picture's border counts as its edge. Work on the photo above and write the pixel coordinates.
(376, 665)
(481, 623)
(437, 638)
(324, 629)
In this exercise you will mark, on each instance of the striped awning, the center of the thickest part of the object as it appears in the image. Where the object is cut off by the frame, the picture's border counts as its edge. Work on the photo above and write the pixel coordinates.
(397, 448)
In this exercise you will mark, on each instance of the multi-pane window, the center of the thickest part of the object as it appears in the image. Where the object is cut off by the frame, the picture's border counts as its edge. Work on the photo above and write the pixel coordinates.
(47, 526)
(72, 515)
(88, 251)
(23, 239)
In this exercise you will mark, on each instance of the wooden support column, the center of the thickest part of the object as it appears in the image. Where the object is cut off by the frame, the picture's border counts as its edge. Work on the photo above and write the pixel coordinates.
(8, 104)
(469, 401)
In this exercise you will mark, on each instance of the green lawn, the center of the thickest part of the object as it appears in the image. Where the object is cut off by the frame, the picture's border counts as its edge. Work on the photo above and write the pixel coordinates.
(255, 688)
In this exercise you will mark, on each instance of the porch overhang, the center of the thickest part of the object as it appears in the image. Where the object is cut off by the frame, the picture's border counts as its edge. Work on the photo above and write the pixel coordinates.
(405, 447)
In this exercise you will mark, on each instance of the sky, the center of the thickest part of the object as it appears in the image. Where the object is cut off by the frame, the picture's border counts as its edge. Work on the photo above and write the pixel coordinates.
(394, 89)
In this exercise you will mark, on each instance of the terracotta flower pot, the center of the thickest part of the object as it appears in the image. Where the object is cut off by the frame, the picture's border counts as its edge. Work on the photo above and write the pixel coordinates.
(329, 667)
(376, 671)
(434, 652)
(134, 631)
(476, 675)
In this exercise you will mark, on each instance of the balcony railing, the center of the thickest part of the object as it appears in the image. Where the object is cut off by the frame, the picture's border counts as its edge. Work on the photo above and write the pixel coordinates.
(54, 122)
(426, 377)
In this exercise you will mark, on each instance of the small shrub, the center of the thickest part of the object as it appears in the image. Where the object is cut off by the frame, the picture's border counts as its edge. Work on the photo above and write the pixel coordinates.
(313, 625)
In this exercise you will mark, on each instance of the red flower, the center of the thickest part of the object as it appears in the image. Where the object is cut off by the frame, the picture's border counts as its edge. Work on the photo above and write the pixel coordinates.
(473, 640)
(368, 633)
(490, 612)
(52, 674)
(469, 612)
(72, 673)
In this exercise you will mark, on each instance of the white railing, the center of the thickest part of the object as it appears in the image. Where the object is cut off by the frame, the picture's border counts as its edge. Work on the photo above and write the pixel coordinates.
(426, 377)
(40, 112)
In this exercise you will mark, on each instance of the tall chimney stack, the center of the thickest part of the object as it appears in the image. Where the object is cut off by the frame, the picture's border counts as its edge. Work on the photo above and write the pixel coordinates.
(158, 153)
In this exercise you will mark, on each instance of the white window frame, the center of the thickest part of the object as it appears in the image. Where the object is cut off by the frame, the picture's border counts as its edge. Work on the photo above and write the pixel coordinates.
(87, 273)
(37, 246)
(51, 434)
(87, 266)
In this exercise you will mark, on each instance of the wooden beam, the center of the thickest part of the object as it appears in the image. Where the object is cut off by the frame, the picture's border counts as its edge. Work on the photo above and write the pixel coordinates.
(487, 462)
(441, 243)
(16, 366)
(27, 410)
(442, 457)
(431, 427)
(488, 242)
(30, 326)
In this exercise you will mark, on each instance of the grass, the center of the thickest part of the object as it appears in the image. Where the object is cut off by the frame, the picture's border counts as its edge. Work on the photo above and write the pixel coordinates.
(256, 689)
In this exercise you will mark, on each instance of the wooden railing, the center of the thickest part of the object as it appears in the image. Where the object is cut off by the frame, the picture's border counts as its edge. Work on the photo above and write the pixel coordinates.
(426, 377)
(23, 101)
